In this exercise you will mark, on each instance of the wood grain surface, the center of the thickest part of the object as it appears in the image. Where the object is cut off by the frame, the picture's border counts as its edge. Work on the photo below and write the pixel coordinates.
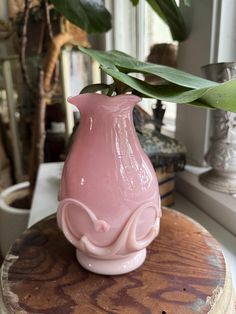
(184, 273)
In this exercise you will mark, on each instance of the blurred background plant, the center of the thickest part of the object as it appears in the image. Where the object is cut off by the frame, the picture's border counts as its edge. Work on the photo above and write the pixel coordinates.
(37, 33)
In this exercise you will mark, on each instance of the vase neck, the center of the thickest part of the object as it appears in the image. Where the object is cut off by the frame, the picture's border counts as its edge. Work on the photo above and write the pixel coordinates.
(106, 123)
(98, 103)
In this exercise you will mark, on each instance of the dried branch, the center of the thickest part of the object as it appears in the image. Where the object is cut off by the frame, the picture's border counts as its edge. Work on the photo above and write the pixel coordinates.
(53, 54)
(41, 38)
(55, 77)
(48, 20)
(39, 133)
(55, 81)
(23, 46)
(47, 84)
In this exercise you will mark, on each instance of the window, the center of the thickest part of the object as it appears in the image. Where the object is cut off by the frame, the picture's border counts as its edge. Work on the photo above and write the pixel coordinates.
(135, 34)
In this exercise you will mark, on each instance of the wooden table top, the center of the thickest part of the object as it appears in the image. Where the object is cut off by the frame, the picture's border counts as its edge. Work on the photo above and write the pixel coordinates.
(184, 273)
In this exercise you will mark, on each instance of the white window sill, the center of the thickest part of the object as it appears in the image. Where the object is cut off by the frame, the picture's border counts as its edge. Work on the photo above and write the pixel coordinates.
(220, 206)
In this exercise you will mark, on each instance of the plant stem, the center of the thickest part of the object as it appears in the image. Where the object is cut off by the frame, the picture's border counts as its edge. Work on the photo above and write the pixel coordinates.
(48, 20)
(39, 134)
(23, 46)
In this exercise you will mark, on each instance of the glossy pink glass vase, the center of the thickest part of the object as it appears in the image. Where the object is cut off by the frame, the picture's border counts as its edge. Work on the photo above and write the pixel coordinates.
(109, 198)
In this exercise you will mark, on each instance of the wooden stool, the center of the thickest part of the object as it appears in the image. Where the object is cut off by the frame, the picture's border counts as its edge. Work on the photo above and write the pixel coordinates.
(184, 273)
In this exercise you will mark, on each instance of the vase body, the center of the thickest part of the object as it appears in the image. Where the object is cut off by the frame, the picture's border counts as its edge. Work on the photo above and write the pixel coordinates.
(109, 199)
(222, 153)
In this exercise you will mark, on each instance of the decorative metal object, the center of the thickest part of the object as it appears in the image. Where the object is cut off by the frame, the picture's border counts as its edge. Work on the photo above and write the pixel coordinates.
(222, 153)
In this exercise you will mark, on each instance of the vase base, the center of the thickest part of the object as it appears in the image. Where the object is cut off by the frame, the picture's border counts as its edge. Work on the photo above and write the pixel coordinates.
(214, 181)
(116, 266)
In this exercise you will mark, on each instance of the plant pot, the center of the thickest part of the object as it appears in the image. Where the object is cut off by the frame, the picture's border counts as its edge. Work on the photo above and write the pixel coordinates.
(13, 220)
(109, 198)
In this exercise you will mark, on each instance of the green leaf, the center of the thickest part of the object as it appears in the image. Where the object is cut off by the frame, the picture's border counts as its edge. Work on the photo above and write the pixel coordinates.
(171, 93)
(181, 88)
(222, 96)
(135, 2)
(170, 13)
(156, 8)
(125, 63)
(95, 88)
(92, 16)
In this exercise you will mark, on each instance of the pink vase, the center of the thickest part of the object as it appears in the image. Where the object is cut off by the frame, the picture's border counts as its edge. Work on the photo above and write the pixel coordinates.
(109, 198)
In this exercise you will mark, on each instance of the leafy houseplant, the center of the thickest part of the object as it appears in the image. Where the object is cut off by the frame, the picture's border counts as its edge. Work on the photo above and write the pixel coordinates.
(180, 87)
(82, 13)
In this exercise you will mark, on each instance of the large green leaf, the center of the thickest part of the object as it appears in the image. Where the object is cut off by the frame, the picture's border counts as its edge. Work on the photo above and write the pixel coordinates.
(92, 16)
(154, 5)
(125, 63)
(170, 13)
(223, 96)
(172, 93)
(181, 88)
